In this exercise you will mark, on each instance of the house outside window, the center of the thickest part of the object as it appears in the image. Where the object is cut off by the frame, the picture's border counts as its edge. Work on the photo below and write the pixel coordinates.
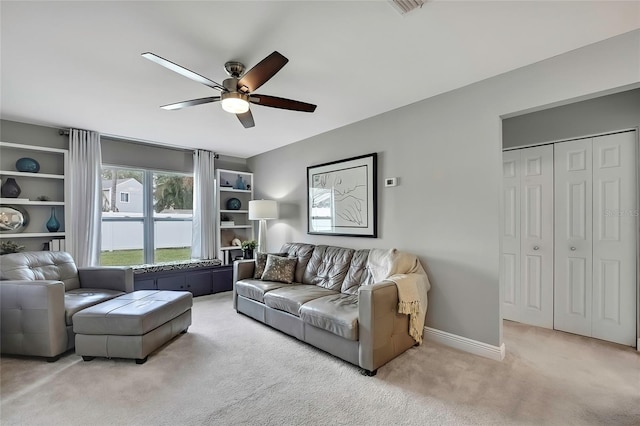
(150, 220)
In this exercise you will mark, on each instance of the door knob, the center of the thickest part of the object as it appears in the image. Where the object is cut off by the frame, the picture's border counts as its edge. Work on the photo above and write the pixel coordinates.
(536, 248)
(573, 249)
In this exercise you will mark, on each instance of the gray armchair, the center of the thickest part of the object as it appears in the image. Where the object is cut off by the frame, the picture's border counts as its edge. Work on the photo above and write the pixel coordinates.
(39, 293)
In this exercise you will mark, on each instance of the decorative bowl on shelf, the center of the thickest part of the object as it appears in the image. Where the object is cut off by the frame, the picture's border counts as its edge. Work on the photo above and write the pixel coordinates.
(26, 164)
(233, 204)
(13, 219)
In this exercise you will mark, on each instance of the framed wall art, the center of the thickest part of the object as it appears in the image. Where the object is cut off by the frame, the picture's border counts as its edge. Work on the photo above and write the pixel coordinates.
(341, 197)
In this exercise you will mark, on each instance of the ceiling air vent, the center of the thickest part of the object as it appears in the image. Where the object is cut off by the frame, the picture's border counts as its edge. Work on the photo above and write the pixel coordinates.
(406, 6)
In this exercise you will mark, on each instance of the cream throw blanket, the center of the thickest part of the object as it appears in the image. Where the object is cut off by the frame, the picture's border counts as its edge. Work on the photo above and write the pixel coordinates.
(412, 282)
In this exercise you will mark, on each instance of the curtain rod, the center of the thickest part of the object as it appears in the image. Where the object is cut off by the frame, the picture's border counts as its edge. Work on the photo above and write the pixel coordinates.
(63, 132)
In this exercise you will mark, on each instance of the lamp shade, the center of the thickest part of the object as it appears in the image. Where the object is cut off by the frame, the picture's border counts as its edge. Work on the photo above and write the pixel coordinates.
(263, 209)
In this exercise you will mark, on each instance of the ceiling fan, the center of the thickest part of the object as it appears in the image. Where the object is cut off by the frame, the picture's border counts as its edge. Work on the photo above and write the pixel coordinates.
(237, 90)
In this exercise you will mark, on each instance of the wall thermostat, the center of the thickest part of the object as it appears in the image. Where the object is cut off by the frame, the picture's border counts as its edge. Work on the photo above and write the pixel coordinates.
(391, 181)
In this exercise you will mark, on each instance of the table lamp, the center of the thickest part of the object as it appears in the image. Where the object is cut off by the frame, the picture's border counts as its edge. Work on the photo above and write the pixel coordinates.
(262, 210)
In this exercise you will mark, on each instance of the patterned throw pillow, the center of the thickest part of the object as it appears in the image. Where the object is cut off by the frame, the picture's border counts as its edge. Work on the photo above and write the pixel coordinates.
(261, 262)
(281, 269)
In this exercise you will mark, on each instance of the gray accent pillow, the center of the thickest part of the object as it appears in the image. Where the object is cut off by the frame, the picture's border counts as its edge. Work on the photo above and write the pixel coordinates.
(261, 262)
(281, 269)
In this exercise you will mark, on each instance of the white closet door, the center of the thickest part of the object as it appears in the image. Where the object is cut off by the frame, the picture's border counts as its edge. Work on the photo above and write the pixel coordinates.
(511, 235)
(573, 242)
(527, 236)
(614, 244)
(595, 250)
(536, 242)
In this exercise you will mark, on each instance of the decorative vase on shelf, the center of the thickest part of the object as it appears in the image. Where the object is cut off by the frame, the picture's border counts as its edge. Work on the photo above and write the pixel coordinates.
(240, 183)
(10, 188)
(53, 224)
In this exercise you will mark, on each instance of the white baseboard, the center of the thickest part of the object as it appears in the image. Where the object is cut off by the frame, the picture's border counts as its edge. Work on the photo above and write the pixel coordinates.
(638, 345)
(465, 344)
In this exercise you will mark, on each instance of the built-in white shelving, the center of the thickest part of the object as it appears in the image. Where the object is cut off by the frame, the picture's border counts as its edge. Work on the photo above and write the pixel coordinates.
(47, 235)
(50, 182)
(228, 184)
(28, 202)
(30, 175)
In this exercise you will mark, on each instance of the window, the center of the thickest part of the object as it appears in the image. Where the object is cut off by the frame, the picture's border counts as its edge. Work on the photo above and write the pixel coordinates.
(150, 221)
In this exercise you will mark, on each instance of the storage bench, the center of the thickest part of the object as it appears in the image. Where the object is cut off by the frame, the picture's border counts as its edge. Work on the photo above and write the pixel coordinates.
(132, 325)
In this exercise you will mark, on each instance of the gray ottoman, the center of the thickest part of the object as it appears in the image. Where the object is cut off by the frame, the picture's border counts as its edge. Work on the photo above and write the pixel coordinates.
(132, 325)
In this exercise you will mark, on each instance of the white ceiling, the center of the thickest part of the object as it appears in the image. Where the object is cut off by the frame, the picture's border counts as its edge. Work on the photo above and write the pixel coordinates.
(78, 64)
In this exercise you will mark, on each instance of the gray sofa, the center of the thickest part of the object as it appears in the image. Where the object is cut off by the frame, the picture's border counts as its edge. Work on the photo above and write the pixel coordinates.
(39, 294)
(333, 304)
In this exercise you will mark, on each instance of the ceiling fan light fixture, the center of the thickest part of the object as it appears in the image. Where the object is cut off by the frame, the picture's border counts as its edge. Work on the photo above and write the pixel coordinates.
(234, 102)
(235, 91)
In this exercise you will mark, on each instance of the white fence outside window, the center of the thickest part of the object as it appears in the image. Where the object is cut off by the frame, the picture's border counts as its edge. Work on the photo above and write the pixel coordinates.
(129, 235)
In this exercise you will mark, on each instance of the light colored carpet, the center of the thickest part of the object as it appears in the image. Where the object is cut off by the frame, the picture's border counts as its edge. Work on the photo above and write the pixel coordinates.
(230, 369)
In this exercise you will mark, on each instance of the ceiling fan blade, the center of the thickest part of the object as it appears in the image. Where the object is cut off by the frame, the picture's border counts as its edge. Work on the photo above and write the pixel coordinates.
(192, 102)
(246, 119)
(275, 102)
(182, 70)
(262, 72)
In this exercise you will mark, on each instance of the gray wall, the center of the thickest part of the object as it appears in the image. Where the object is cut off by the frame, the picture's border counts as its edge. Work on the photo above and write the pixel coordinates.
(122, 152)
(31, 134)
(118, 152)
(136, 154)
(446, 150)
(600, 115)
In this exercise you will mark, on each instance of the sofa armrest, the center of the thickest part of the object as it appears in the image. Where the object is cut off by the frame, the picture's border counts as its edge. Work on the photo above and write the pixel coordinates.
(118, 278)
(384, 333)
(32, 315)
(242, 269)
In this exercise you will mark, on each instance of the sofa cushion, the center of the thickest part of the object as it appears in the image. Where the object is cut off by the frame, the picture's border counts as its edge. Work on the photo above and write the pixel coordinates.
(328, 267)
(41, 265)
(302, 252)
(281, 269)
(290, 298)
(81, 298)
(358, 273)
(337, 313)
(255, 289)
(261, 262)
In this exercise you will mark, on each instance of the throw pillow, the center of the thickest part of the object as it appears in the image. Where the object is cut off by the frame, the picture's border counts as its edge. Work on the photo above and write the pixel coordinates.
(261, 262)
(281, 269)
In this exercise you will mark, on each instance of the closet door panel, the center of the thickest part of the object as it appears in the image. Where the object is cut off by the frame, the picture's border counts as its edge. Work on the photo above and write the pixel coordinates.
(533, 283)
(573, 236)
(577, 290)
(537, 236)
(614, 245)
(511, 236)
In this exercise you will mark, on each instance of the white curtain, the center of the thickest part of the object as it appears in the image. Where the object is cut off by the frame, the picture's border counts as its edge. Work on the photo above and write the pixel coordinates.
(84, 206)
(203, 241)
